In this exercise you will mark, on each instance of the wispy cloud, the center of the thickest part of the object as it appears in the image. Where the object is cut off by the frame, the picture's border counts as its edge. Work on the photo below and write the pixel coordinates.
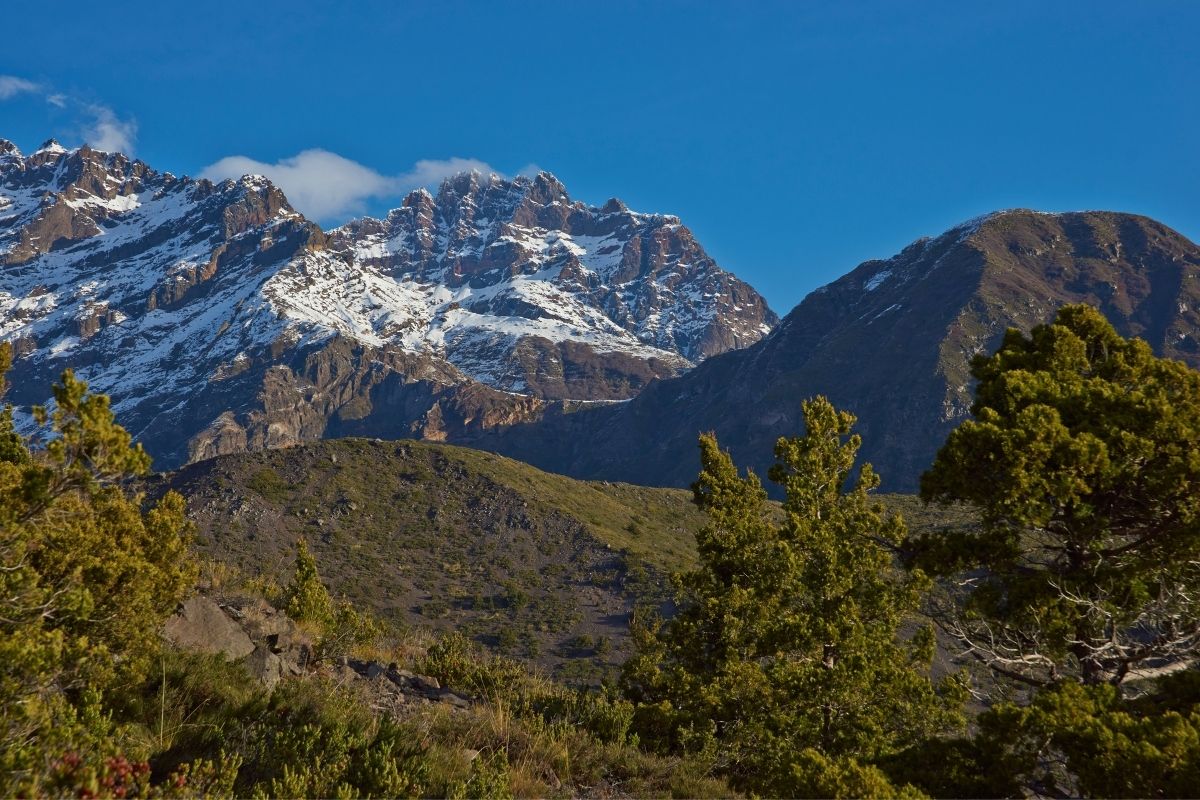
(11, 86)
(106, 131)
(328, 187)
(430, 172)
(98, 124)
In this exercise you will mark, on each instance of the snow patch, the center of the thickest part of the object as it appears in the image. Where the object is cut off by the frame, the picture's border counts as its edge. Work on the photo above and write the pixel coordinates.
(877, 280)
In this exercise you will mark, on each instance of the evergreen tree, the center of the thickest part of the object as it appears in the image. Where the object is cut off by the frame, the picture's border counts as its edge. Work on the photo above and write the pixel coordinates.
(306, 599)
(1083, 459)
(88, 573)
(1070, 740)
(785, 653)
(339, 625)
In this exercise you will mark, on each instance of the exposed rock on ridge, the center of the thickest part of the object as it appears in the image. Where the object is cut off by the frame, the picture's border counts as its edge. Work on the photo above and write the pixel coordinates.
(891, 341)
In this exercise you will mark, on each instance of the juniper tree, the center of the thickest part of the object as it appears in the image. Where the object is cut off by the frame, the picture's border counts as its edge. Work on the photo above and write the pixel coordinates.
(339, 625)
(786, 651)
(305, 598)
(88, 572)
(1083, 461)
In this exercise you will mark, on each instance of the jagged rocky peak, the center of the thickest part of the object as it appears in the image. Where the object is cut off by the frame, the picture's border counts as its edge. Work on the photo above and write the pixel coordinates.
(218, 318)
(57, 197)
(523, 248)
(51, 146)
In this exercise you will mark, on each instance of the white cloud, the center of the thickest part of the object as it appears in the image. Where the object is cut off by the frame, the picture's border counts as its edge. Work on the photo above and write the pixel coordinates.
(328, 187)
(319, 183)
(108, 132)
(11, 86)
(430, 172)
(99, 125)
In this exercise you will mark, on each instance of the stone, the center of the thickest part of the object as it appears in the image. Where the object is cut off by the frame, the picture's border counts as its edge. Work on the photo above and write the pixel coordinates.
(264, 666)
(202, 626)
(426, 683)
(452, 699)
(295, 659)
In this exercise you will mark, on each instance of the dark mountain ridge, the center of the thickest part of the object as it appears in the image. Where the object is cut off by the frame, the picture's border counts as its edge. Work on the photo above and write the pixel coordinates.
(891, 341)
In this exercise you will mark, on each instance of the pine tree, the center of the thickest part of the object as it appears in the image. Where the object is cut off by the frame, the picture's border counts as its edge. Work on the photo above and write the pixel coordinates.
(1083, 460)
(339, 626)
(306, 599)
(786, 650)
(87, 575)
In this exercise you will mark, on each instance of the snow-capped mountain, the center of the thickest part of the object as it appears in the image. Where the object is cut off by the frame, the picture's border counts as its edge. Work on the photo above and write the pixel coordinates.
(218, 318)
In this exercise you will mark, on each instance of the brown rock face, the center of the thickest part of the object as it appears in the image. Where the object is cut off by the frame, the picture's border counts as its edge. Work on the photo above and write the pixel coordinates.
(201, 625)
(346, 389)
(891, 341)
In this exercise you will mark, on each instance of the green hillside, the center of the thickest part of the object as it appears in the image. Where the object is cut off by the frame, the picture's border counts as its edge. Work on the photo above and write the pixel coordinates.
(538, 566)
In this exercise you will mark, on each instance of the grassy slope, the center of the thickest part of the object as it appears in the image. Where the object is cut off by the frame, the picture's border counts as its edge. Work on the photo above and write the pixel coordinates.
(539, 566)
(657, 525)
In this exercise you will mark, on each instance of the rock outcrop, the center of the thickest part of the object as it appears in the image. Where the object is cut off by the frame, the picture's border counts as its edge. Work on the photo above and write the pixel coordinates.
(245, 629)
(272, 647)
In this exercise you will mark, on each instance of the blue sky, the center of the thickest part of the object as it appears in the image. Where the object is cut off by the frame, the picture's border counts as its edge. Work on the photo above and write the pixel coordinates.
(796, 139)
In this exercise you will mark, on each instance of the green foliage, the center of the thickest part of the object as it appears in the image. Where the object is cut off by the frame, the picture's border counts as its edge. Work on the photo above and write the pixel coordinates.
(489, 780)
(342, 628)
(74, 775)
(305, 599)
(1072, 740)
(307, 738)
(1092, 742)
(786, 637)
(456, 661)
(809, 773)
(1083, 460)
(317, 741)
(267, 483)
(87, 575)
(349, 630)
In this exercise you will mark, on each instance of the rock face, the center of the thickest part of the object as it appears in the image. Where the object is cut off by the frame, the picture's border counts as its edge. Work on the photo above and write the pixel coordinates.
(265, 640)
(219, 319)
(271, 647)
(524, 260)
(202, 625)
(393, 689)
(891, 341)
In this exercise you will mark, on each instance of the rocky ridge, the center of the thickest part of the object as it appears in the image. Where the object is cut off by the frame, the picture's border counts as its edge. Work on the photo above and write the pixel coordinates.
(219, 319)
(892, 342)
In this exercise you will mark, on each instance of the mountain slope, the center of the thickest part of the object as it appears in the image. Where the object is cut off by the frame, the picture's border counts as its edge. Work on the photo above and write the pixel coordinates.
(891, 341)
(448, 537)
(520, 259)
(452, 538)
(219, 319)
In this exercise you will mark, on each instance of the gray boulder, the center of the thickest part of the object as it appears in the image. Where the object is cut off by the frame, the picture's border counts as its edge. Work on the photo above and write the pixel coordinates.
(202, 626)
